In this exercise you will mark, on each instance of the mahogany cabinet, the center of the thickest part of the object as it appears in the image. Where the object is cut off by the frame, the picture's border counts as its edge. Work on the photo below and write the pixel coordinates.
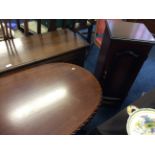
(124, 49)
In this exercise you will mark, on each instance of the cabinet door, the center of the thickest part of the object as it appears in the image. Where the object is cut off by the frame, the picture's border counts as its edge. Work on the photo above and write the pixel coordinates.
(122, 72)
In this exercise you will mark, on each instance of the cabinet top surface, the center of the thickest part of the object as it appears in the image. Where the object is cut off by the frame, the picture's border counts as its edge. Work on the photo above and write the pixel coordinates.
(129, 31)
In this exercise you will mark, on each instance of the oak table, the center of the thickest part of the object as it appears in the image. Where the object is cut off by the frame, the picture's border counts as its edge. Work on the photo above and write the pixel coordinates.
(55, 98)
(57, 46)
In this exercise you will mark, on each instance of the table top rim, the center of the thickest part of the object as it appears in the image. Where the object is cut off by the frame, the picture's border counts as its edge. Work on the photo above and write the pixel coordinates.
(83, 70)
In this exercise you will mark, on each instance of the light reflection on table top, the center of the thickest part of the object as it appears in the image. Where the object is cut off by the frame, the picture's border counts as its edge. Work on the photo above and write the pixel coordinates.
(37, 104)
(54, 98)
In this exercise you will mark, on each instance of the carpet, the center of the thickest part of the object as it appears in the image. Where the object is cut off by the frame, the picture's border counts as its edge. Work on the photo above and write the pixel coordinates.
(144, 82)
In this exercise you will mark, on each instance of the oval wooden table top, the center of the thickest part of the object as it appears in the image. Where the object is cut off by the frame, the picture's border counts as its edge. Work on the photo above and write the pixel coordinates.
(56, 98)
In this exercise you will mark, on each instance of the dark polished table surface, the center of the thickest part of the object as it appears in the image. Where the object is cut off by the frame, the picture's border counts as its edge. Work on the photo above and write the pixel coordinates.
(15, 53)
(117, 124)
(56, 98)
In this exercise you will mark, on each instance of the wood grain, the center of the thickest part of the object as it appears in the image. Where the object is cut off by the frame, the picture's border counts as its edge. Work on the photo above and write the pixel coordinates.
(32, 49)
(129, 31)
(55, 98)
(149, 23)
(124, 49)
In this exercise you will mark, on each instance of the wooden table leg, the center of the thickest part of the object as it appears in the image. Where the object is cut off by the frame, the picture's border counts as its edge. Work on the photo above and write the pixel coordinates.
(26, 29)
(52, 25)
(39, 26)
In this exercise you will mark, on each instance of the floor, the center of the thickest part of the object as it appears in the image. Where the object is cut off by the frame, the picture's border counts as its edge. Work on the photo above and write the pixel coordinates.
(144, 82)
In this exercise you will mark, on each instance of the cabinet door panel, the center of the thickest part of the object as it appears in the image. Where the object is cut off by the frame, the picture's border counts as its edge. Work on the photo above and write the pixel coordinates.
(120, 72)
